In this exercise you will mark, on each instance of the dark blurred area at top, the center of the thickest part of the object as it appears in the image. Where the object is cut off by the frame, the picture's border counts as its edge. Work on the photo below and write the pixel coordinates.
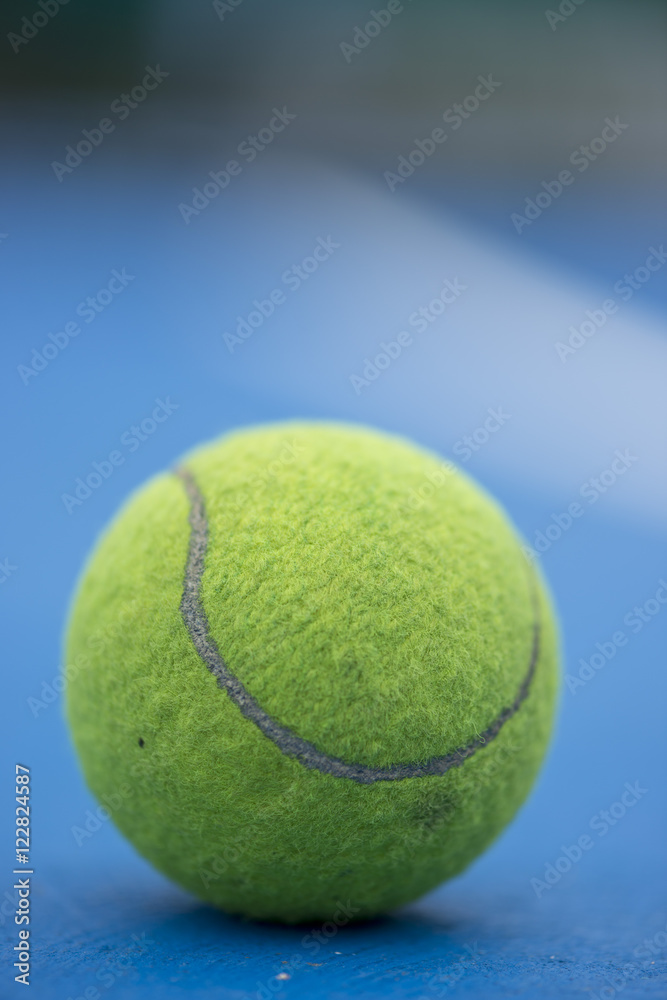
(231, 61)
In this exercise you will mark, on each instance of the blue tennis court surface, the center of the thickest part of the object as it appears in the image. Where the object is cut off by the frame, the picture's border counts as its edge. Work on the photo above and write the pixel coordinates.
(571, 901)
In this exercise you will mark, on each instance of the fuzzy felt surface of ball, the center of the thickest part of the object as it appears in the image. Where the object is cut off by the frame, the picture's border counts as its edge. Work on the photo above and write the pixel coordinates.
(311, 672)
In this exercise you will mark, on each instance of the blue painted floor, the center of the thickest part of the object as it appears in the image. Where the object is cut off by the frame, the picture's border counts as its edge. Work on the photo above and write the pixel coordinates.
(524, 921)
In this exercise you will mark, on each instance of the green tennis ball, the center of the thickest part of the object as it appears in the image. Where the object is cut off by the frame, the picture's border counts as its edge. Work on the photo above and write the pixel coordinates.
(311, 672)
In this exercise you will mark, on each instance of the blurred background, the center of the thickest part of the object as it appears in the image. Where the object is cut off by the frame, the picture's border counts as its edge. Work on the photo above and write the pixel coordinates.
(237, 208)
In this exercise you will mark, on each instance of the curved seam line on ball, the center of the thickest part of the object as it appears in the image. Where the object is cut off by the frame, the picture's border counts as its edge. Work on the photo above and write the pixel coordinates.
(196, 623)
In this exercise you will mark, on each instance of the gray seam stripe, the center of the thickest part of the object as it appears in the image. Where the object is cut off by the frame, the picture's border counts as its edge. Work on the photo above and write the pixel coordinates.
(288, 742)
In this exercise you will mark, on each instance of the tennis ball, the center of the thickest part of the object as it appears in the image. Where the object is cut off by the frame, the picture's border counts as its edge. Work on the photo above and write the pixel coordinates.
(311, 673)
